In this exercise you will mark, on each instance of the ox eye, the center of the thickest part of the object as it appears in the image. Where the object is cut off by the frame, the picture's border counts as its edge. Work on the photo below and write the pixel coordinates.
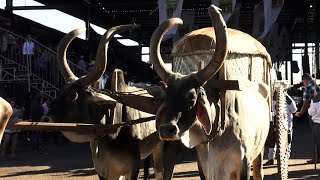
(75, 96)
(72, 96)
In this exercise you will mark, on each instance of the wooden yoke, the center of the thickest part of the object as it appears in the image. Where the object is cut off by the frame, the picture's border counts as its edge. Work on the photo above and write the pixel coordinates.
(222, 76)
(114, 87)
(225, 85)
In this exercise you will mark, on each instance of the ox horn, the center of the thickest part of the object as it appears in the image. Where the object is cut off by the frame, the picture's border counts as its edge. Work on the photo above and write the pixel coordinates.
(101, 58)
(221, 46)
(61, 54)
(155, 56)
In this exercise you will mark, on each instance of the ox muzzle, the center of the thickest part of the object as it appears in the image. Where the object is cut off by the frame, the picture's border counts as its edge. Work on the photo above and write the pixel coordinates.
(169, 132)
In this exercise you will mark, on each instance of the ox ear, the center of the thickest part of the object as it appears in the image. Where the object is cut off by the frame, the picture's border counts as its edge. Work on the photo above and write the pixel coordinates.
(204, 112)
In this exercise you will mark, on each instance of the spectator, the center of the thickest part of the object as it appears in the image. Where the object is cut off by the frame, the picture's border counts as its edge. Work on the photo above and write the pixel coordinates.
(10, 134)
(81, 63)
(4, 42)
(291, 108)
(43, 63)
(45, 107)
(36, 112)
(308, 94)
(28, 51)
(11, 46)
(314, 112)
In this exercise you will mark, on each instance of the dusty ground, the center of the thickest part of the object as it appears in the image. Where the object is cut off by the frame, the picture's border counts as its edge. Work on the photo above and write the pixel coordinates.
(72, 161)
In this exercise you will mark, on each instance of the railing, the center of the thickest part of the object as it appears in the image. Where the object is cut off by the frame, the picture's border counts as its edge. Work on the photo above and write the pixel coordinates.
(42, 64)
(12, 71)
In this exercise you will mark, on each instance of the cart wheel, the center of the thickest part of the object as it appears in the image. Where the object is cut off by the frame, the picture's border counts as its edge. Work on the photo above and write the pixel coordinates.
(282, 135)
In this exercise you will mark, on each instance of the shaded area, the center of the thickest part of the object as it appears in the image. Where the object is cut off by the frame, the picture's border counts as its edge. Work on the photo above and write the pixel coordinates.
(73, 159)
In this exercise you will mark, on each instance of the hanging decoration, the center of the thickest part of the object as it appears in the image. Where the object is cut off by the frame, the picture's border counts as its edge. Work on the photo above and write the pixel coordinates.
(226, 6)
(169, 9)
(272, 9)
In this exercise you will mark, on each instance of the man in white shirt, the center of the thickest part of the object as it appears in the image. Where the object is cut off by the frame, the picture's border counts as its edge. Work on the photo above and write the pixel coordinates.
(314, 112)
(291, 108)
(27, 51)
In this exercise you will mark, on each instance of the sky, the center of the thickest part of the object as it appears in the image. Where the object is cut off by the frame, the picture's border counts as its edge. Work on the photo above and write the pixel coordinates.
(52, 18)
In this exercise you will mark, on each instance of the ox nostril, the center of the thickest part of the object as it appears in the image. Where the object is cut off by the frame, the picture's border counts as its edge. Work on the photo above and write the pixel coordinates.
(172, 130)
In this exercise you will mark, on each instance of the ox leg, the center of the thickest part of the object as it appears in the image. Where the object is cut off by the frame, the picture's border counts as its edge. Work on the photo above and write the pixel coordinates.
(134, 174)
(245, 172)
(146, 166)
(157, 156)
(101, 177)
(171, 150)
(258, 167)
(201, 174)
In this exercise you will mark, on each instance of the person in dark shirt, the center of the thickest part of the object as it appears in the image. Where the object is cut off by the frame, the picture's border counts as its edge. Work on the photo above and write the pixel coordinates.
(308, 95)
(36, 112)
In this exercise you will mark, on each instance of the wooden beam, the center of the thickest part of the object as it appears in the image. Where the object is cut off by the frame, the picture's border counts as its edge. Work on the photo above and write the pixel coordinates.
(75, 127)
(225, 84)
(97, 129)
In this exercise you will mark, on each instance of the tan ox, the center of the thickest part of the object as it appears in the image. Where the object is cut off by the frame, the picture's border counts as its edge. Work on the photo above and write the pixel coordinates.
(228, 143)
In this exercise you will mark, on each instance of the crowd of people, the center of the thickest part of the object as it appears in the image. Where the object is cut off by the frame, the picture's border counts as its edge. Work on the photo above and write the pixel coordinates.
(40, 59)
(310, 106)
(33, 110)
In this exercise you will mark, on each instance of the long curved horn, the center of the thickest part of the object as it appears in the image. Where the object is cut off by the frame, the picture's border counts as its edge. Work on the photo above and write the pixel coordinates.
(221, 46)
(101, 58)
(61, 54)
(155, 56)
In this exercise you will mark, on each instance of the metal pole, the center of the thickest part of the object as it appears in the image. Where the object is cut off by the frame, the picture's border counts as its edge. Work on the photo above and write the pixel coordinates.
(316, 32)
(305, 58)
(316, 64)
(29, 73)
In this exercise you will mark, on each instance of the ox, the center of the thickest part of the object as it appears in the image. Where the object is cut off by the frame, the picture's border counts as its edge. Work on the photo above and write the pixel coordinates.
(5, 114)
(113, 155)
(226, 143)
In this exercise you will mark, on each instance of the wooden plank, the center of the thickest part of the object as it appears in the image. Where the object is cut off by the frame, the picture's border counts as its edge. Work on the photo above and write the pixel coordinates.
(97, 129)
(225, 84)
(75, 127)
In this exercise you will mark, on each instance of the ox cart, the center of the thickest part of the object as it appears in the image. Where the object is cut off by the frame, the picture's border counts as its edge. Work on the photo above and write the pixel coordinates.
(240, 70)
(223, 85)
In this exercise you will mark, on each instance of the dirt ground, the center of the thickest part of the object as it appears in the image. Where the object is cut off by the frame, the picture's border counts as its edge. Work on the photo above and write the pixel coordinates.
(70, 161)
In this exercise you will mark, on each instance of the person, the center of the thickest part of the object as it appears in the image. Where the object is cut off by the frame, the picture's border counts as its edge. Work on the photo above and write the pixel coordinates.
(291, 108)
(11, 46)
(308, 94)
(314, 112)
(81, 63)
(10, 134)
(45, 107)
(43, 63)
(28, 51)
(4, 42)
(36, 112)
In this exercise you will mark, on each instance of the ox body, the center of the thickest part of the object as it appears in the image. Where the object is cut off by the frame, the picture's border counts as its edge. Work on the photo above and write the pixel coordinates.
(113, 155)
(5, 114)
(227, 128)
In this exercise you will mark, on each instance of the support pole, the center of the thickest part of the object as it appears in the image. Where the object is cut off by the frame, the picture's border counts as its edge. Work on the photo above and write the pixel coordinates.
(305, 57)
(316, 32)
(88, 24)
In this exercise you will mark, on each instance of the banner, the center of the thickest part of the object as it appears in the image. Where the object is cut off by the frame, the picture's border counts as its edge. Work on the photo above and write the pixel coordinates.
(272, 9)
(169, 9)
(258, 20)
(227, 7)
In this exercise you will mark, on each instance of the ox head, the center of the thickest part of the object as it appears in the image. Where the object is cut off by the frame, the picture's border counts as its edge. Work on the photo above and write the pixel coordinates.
(186, 101)
(77, 101)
